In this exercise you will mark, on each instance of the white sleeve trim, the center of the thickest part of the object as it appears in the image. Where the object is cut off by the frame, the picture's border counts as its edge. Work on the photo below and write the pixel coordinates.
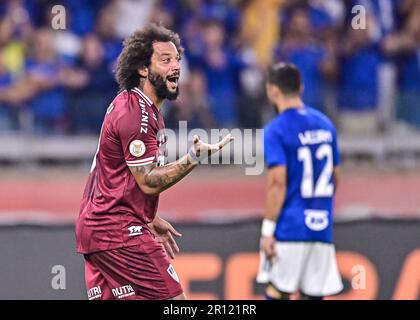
(140, 160)
(139, 164)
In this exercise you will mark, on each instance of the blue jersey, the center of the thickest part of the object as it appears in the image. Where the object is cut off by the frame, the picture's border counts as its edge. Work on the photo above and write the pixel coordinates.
(304, 140)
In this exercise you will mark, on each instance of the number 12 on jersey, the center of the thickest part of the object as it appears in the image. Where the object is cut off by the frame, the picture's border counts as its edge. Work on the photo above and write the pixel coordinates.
(323, 186)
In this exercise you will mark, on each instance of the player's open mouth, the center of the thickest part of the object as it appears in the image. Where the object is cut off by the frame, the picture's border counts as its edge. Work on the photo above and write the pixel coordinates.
(173, 81)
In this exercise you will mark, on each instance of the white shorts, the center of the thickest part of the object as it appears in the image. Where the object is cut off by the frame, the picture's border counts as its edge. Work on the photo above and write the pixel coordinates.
(308, 267)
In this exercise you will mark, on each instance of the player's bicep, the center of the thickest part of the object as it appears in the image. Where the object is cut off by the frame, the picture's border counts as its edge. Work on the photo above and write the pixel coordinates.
(275, 191)
(277, 177)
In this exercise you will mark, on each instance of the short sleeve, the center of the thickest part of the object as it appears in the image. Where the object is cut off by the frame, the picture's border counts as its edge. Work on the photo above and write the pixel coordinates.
(274, 152)
(138, 140)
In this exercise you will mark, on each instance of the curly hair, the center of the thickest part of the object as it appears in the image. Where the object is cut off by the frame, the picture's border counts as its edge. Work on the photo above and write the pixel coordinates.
(138, 51)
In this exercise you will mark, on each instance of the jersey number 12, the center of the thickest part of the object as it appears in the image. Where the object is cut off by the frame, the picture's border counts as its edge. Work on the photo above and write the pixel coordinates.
(323, 187)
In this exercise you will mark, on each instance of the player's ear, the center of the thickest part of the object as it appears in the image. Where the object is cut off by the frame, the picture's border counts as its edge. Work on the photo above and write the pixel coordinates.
(275, 91)
(302, 87)
(143, 72)
(269, 89)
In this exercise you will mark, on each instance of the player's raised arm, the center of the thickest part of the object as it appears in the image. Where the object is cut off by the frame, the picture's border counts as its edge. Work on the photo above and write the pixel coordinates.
(153, 180)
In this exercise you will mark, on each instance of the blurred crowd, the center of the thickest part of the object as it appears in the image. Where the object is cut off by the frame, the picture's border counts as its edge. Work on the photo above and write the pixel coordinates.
(360, 60)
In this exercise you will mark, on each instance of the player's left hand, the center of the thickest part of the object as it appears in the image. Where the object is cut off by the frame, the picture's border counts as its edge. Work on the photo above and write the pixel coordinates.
(268, 245)
(164, 233)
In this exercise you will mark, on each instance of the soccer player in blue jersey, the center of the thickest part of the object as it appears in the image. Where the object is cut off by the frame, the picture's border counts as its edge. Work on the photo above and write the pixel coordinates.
(301, 153)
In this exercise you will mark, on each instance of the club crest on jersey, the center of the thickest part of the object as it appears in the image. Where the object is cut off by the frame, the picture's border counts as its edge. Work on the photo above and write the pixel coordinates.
(137, 148)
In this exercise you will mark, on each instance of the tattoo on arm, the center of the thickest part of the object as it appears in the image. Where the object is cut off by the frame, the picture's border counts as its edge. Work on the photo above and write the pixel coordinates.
(161, 178)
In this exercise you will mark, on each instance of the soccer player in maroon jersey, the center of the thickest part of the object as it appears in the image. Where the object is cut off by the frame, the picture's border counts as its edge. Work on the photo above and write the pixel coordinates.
(122, 238)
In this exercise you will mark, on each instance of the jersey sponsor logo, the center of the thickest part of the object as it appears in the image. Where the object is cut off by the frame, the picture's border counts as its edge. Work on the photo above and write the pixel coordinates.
(144, 117)
(316, 220)
(137, 148)
(110, 108)
(315, 137)
(172, 273)
(94, 293)
(123, 292)
(135, 230)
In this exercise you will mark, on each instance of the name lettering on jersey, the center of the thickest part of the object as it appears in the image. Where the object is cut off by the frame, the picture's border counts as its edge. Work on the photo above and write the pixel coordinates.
(135, 230)
(144, 117)
(137, 148)
(316, 220)
(315, 137)
(123, 292)
(172, 273)
(94, 293)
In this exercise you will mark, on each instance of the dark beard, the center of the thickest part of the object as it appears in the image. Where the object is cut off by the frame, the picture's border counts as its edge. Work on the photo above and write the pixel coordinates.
(161, 90)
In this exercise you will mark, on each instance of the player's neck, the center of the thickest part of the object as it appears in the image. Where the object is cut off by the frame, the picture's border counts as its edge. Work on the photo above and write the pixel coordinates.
(149, 91)
(289, 103)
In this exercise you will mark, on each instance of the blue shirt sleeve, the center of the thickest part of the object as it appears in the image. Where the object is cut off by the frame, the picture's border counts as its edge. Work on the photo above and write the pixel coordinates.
(274, 152)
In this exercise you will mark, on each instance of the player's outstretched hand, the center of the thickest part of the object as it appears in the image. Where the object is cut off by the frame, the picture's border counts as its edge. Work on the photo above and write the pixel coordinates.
(268, 245)
(203, 150)
(164, 232)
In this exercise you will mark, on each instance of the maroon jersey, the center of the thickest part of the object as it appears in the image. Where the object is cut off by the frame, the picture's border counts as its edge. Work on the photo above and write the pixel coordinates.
(115, 212)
